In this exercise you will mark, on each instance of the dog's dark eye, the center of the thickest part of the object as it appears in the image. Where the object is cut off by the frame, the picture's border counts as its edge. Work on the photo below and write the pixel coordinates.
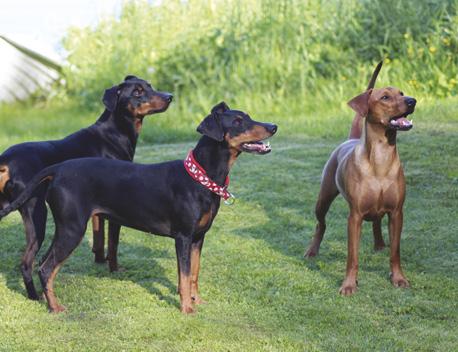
(237, 122)
(385, 97)
(137, 92)
(402, 93)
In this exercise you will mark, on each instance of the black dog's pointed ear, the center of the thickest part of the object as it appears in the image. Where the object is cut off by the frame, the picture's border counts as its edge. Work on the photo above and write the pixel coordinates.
(110, 98)
(220, 108)
(211, 127)
(130, 77)
(360, 103)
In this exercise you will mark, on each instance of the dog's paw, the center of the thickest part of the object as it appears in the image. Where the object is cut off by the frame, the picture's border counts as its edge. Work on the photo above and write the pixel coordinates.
(58, 308)
(100, 259)
(116, 268)
(379, 246)
(399, 281)
(34, 296)
(311, 252)
(348, 288)
(187, 309)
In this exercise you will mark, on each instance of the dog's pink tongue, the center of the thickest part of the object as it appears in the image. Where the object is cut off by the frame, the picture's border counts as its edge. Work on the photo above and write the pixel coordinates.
(401, 122)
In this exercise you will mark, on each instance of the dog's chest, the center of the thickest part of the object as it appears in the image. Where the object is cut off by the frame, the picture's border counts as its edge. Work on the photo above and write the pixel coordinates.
(373, 191)
(379, 196)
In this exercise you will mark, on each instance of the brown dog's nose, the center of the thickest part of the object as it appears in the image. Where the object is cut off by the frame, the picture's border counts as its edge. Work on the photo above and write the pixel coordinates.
(410, 102)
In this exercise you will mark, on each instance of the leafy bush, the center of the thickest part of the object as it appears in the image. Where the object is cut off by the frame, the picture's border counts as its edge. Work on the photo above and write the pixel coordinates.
(278, 57)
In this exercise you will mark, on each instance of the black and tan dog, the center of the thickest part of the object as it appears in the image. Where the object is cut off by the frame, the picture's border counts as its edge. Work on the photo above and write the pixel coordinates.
(179, 199)
(114, 135)
(367, 171)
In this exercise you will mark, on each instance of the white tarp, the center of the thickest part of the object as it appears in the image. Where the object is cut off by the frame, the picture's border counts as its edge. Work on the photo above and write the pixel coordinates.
(22, 71)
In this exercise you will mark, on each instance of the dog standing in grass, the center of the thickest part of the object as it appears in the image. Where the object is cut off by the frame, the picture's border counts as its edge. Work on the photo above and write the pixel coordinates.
(368, 173)
(178, 199)
(113, 136)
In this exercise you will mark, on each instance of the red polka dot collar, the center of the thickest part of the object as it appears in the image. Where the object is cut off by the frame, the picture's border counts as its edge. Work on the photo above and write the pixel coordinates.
(198, 173)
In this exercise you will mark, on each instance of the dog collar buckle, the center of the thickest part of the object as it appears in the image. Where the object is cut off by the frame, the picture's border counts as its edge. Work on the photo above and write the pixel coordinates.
(230, 200)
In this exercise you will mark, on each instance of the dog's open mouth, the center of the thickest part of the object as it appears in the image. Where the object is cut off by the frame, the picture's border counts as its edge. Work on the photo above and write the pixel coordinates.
(401, 122)
(258, 147)
(158, 110)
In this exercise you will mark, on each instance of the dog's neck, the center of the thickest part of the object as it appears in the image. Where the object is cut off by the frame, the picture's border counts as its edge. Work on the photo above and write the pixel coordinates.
(379, 146)
(215, 157)
(124, 124)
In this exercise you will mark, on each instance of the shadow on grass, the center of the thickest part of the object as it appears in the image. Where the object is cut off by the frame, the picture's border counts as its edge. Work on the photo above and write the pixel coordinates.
(143, 270)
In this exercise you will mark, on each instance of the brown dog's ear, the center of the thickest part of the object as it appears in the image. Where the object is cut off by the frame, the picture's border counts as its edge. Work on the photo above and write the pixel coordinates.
(360, 103)
(211, 127)
(110, 98)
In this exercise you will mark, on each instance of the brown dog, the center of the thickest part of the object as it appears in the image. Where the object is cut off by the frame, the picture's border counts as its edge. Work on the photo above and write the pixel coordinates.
(369, 175)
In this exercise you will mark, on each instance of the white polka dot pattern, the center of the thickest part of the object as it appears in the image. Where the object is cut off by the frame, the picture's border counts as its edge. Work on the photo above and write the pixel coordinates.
(198, 173)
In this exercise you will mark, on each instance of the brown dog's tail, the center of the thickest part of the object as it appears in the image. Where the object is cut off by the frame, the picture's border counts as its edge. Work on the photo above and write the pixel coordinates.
(44, 175)
(356, 128)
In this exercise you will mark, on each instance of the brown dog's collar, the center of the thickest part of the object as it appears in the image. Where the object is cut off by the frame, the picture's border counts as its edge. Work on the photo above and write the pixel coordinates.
(198, 173)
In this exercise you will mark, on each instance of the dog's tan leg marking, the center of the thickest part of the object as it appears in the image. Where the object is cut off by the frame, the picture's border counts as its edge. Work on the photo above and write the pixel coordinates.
(4, 176)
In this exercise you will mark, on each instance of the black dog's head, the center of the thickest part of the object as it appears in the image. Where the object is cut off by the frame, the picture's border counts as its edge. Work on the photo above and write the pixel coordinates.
(136, 97)
(237, 129)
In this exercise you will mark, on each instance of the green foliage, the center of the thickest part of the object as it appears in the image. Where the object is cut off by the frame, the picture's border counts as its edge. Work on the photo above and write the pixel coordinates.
(262, 294)
(279, 57)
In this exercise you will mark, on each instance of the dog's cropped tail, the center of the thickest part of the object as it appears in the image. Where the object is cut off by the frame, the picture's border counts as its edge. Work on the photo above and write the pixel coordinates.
(43, 176)
(356, 128)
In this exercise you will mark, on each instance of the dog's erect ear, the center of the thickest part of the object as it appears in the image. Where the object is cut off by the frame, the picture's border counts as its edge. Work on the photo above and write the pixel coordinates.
(130, 77)
(360, 103)
(110, 98)
(220, 108)
(211, 126)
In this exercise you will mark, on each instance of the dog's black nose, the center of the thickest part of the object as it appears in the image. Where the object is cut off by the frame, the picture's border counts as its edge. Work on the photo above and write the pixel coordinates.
(410, 102)
(271, 128)
(168, 97)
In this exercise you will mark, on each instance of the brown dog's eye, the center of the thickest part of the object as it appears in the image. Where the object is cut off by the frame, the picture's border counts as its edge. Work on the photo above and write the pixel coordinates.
(385, 97)
(402, 93)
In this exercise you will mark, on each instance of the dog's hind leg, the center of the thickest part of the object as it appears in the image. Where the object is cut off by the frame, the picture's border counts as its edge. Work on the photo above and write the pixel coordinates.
(34, 215)
(98, 238)
(67, 237)
(328, 192)
(379, 244)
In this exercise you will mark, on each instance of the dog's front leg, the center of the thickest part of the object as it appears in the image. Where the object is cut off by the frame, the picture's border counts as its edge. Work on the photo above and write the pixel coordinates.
(395, 228)
(183, 250)
(354, 233)
(196, 251)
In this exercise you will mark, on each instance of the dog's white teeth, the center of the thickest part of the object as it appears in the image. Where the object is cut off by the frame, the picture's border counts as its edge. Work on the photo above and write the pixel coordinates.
(411, 121)
(268, 144)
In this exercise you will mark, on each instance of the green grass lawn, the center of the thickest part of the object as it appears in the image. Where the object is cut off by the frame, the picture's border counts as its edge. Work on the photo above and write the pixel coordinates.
(262, 295)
